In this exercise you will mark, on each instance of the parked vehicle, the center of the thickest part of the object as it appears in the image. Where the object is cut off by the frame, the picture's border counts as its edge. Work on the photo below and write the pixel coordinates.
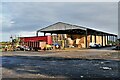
(117, 47)
(94, 45)
(57, 46)
(109, 45)
(23, 48)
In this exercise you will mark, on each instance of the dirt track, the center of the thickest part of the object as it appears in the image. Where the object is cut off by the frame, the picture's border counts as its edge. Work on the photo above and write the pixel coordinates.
(83, 53)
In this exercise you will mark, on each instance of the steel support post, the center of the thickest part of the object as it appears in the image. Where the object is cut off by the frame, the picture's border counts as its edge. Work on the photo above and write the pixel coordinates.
(91, 38)
(86, 39)
(95, 38)
(102, 39)
(105, 39)
(37, 33)
(44, 33)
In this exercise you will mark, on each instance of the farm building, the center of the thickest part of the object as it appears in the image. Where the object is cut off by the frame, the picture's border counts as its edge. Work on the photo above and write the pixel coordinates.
(38, 42)
(77, 36)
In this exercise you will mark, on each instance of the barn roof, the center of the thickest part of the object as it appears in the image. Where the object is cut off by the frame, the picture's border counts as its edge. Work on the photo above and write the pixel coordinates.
(61, 27)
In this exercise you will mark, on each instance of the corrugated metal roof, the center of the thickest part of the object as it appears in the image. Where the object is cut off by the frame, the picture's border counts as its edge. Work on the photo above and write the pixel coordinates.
(65, 26)
(61, 26)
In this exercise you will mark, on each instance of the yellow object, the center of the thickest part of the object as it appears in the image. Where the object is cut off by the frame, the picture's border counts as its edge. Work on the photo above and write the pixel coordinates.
(48, 46)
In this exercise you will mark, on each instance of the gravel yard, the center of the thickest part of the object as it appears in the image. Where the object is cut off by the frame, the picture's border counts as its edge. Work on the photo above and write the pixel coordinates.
(61, 64)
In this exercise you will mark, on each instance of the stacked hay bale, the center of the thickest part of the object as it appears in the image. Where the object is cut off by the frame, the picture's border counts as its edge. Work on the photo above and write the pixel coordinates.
(88, 40)
(75, 40)
(82, 41)
(78, 42)
(70, 42)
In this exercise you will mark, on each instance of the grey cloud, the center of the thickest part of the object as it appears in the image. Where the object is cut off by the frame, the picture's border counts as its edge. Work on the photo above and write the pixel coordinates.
(30, 16)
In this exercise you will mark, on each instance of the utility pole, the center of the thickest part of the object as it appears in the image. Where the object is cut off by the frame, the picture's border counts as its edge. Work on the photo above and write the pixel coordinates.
(11, 41)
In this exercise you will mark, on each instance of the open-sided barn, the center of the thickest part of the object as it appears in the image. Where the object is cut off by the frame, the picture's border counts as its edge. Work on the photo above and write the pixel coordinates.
(78, 35)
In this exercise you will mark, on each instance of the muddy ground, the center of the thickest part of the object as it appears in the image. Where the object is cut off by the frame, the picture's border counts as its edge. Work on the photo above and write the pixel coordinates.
(85, 63)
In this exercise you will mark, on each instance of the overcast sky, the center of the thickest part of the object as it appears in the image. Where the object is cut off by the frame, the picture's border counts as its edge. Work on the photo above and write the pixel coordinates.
(24, 18)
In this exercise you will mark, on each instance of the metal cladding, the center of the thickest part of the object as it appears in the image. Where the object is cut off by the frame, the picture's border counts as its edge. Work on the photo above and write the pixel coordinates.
(33, 39)
(61, 26)
(65, 28)
(47, 39)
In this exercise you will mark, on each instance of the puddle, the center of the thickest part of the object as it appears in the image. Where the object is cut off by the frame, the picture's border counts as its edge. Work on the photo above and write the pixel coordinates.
(59, 66)
(106, 68)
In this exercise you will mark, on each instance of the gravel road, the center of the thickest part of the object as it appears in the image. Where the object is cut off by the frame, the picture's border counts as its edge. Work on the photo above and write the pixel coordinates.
(61, 64)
